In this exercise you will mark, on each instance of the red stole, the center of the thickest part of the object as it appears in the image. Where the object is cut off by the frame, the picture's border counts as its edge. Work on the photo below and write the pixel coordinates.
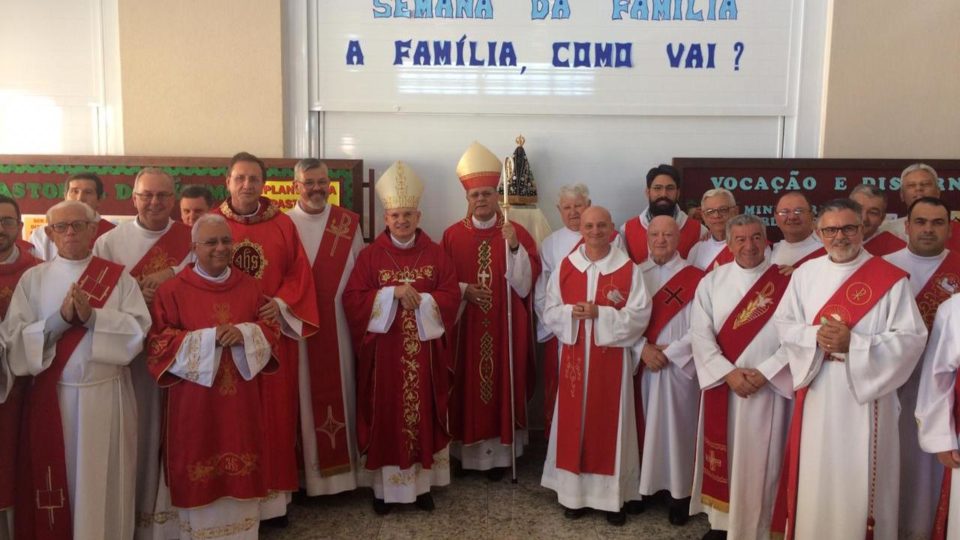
(884, 243)
(745, 321)
(852, 300)
(323, 348)
(953, 243)
(635, 238)
(722, 258)
(102, 227)
(587, 437)
(819, 252)
(43, 505)
(943, 283)
(169, 250)
(10, 410)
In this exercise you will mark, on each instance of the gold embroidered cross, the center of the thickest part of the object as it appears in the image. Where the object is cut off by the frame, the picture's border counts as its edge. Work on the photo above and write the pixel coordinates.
(50, 499)
(339, 230)
(713, 462)
(330, 427)
(859, 293)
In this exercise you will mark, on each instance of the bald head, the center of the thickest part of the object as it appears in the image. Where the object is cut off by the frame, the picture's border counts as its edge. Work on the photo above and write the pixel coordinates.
(596, 212)
(663, 237)
(596, 227)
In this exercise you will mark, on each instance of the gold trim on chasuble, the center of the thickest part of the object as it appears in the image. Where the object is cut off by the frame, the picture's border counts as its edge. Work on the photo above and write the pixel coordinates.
(405, 275)
(159, 260)
(711, 468)
(227, 464)
(756, 307)
(248, 256)
(485, 366)
(409, 371)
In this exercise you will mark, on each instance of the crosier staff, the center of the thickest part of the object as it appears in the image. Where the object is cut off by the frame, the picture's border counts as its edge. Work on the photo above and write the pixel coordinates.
(508, 170)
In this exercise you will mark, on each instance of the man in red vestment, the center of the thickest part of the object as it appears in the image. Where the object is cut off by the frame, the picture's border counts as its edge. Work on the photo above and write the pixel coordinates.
(207, 359)
(401, 299)
(486, 248)
(876, 241)
(663, 192)
(86, 188)
(267, 247)
(13, 262)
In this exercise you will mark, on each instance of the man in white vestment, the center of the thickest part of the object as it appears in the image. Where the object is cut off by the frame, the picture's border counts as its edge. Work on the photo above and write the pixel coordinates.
(597, 306)
(86, 188)
(332, 238)
(151, 248)
(87, 304)
(917, 180)
(717, 206)
(937, 414)
(934, 277)
(573, 200)
(852, 334)
(873, 202)
(668, 382)
(739, 450)
(794, 216)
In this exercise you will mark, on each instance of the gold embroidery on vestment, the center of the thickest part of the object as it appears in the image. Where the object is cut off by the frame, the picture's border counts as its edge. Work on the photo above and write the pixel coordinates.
(761, 304)
(226, 381)
(405, 274)
(219, 531)
(486, 368)
(227, 464)
(409, 370)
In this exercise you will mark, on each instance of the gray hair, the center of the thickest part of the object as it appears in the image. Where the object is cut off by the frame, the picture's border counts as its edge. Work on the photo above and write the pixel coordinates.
(838, 205)
(203, 220)
(869, 190)
(919, 167)
(152, 170)
(573, 191)
(744, 219)
(717, 192)
(305, 165)
(90, 214)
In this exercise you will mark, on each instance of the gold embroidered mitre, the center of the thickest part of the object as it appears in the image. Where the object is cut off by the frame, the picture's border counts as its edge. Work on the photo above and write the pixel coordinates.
(399, 187)
(478, 167)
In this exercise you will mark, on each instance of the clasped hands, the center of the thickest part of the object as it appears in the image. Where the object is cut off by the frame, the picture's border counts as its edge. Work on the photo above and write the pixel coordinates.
(76, 306)
(833, 336)
(745, 381)
(228, 335)
(408, 296)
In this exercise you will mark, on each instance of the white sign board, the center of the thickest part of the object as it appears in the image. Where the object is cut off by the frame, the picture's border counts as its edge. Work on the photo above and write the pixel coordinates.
(609, 57)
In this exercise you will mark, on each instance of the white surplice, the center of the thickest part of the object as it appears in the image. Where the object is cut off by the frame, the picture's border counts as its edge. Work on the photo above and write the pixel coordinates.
(920, 472)
(757, 425)
(670, 397)
(392, 484)
(612, 328)
(311, 228)
(97, 405)
(788, 253)
(553, 250)
(491, 453)
(898, 227)
(126, 244)
(845, 399)
(935, 399)
(705, 251)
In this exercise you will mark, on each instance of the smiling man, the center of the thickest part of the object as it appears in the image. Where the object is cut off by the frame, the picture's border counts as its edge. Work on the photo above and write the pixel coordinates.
(934, 278)
(332, 238)
(86, 188)
(794, 216)
(852, 335)
(598, 307)
(401, 301)
(717, 207)
(494, 258)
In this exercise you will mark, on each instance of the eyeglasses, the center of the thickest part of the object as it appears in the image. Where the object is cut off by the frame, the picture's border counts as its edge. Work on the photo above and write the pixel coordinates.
(9, 222)
(830, 232)
(312, 184)
(720, 211)
(146, 196)
(796, 211)
(214, 242)
(62, 227)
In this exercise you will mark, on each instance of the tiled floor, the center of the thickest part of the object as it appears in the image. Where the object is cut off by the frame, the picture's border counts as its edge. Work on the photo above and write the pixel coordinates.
(473, 507)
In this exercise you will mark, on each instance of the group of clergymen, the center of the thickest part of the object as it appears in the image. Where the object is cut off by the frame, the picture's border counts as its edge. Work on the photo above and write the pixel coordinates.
(180, 380)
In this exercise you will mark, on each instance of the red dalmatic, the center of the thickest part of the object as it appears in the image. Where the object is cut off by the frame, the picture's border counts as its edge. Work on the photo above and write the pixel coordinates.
(213, 443)
(267, 247)
(480, 401)
(402, 382)
(635, 238)
(11, 408)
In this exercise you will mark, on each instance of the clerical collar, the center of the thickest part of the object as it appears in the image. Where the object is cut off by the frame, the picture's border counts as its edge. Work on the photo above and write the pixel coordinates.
(75, 262)
(811, 238)
(225, 275)
(484, 224)
(758, 269)
(855, 260)
(927, 258)
(676, 255)
(14, 255)
(136, 222)
(251, 214)
(403, 245)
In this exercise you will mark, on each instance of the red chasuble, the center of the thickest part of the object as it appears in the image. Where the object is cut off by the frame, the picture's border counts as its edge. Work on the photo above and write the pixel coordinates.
(402, 382)
(168, 251)
(42, 501)
(480, 401)
(213, 444)
(635, 238)
(953, 243)
(884, 243)
(323, 348)
(10, 409)
(588, 398)
(853, 299)
(267, 247)
(745, 321)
